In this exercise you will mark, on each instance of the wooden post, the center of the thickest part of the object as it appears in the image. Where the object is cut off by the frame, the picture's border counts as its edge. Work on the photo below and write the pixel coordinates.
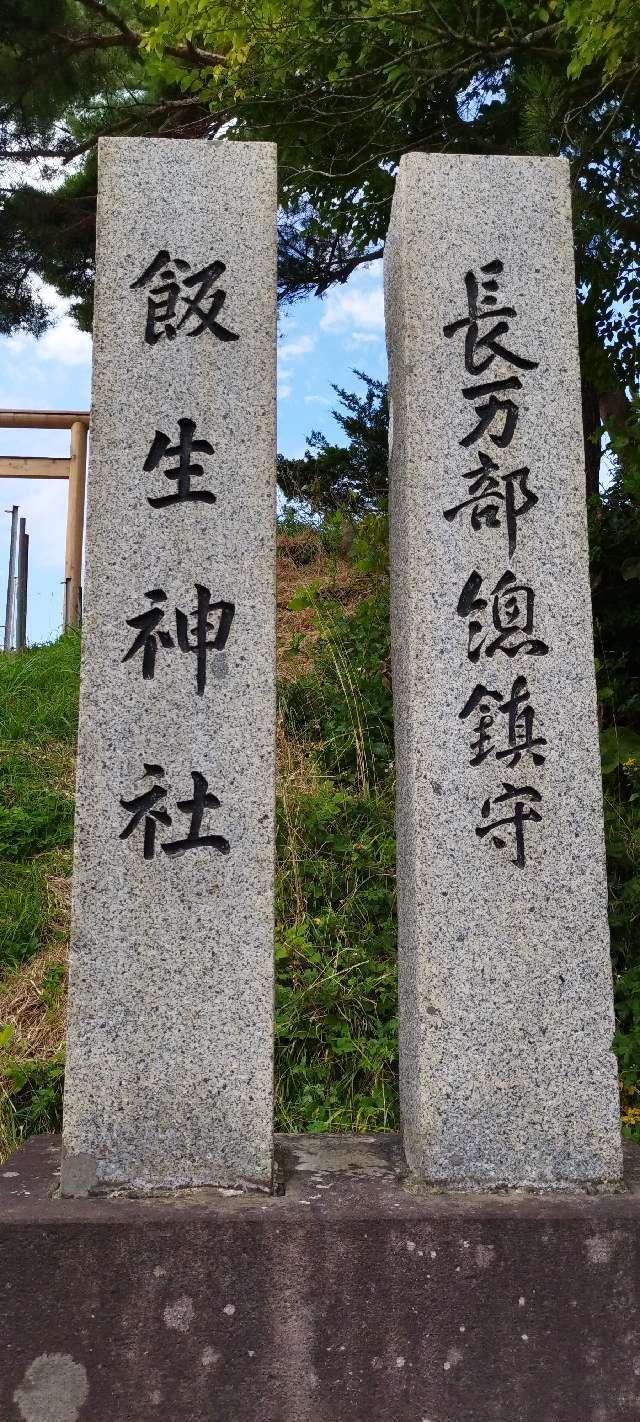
(75, 524)
(23, 577)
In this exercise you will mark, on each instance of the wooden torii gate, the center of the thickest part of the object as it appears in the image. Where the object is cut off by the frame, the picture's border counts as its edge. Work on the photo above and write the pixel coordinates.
(74, 469)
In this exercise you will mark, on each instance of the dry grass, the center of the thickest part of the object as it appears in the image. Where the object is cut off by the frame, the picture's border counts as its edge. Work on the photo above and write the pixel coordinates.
(38, 1027)
(333, 578)
(37, 1022)
(296, 770)
(33, 999)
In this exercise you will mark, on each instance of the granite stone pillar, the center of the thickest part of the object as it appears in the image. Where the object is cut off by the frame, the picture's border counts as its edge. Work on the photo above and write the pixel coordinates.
(506, 1018)
(169, 1070)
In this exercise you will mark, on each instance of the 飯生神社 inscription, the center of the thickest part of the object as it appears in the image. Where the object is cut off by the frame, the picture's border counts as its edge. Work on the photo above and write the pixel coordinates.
(169, 1070)
(506, 1017)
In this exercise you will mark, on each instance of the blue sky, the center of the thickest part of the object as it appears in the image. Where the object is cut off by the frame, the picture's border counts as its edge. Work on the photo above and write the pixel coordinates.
(320, 342)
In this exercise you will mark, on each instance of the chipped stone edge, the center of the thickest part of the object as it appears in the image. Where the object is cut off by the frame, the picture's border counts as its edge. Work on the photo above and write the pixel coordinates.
(80, 1180)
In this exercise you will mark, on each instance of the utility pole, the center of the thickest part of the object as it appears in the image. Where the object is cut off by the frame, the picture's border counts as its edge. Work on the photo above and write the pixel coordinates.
(23, 577)
(8, 617)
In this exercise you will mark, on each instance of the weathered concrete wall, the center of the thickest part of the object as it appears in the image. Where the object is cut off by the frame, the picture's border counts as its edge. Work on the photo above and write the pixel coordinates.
(349, 1299)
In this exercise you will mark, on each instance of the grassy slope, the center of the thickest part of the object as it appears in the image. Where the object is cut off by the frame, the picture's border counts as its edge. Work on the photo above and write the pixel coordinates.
(38, 717)
(336, 1025)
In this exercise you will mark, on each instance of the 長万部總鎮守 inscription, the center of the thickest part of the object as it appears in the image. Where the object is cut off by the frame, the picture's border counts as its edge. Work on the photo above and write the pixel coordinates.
(506, 1070)
(495, 499)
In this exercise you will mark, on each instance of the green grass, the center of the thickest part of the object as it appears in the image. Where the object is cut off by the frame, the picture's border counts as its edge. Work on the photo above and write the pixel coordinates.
(32, 1104)
(34, 814)
(341, 706)
(38, 729)
(22, 914)
(336, 1008)
(622, 825)
(39, 693)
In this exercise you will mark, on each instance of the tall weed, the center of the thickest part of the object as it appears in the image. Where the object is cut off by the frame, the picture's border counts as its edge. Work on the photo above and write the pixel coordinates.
(341, 708)
(336, 1010)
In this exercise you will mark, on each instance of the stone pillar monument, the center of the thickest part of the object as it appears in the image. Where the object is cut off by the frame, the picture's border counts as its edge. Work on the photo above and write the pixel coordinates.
(506, 1018)
(169, 1070)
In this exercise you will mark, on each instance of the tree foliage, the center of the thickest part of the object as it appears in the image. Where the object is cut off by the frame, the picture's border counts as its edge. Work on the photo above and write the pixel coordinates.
(345, 87)
(70, 71)
(351, 477)
(605, 33)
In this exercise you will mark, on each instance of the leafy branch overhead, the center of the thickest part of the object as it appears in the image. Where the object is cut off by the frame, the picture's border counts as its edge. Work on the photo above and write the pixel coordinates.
(344, 88)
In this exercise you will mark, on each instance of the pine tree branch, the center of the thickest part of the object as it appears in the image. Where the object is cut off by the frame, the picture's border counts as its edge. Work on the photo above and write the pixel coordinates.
(142, 115)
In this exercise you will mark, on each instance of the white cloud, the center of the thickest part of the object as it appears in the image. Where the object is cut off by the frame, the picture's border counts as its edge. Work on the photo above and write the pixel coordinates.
(65, 343)
(290, 350)
(316, 400)
(365, 338)
(354, 308)
(45, 373)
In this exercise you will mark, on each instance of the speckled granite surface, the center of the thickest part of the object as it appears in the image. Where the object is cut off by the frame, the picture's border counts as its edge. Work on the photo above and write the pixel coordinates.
(506, 1020)
(169, 1070)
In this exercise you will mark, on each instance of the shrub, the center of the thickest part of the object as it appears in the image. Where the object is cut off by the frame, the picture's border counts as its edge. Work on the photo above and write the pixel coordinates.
(341, 708)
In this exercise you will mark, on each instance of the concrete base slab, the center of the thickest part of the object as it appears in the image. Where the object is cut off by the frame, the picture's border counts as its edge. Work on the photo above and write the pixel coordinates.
(350, 1298)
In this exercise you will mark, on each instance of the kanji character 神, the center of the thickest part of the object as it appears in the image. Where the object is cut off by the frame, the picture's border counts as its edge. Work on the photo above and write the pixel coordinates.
(150, 633)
